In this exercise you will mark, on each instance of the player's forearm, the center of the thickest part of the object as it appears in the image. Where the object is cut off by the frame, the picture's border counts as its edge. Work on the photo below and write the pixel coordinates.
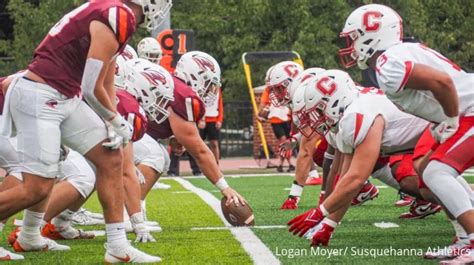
(347, 188)
(447, 97)
(206, 161)
(303, 166)
(101, 102)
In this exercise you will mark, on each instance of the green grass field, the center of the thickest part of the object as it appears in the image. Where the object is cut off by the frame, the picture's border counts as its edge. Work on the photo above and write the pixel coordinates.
(179, 210)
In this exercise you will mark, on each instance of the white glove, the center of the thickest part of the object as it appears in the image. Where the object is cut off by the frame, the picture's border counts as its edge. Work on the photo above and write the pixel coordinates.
(143, 234)
(446, 129)
(140, 229)
(122, 128)
(115, 141)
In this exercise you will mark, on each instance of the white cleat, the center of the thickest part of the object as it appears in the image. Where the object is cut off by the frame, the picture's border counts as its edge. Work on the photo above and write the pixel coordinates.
(44, 244)
(161, 186)
(84, 217)
(152, 229)
(6, 255)
(128, 254)
(93, 215)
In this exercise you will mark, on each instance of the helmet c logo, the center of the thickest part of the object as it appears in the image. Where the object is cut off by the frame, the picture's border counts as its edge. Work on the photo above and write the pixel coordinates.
(154, 77)
(371, 20)
(326, 86)
(291, 70)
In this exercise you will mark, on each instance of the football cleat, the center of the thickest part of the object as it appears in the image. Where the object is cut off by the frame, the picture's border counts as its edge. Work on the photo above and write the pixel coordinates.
(405, 200)
(85, 217)
(290, 203)
(50, 231)
(128, 254)
(368, 192)
(313, 181)
(6, 255)
(322, 236)
(458, 247)
(151, 229)
(420, 209)
(44, 244)
(14, 235)
(161, 186)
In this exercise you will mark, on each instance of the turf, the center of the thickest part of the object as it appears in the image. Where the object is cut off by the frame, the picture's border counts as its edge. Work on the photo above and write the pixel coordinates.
(177, 211)
(354, 239)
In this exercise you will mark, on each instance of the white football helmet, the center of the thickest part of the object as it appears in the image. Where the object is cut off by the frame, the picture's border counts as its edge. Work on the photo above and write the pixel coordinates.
(278, 79)
(150, 49)
(154, 12)
(303, 77)
(326, 97)
(152, 86)
(121, 71)
(368, 29)
(202, 73)
(129, 53)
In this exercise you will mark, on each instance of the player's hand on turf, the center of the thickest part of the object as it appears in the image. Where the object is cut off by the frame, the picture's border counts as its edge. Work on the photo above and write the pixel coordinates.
(303, 222)
(445, 130)
(115, 141)
(290, 203)
(143, 234)
(233, 197)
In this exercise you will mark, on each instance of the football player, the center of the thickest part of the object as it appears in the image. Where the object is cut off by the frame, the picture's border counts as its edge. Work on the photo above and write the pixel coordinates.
(196, 82)
(423, 82)
(150, 49)
(362, 132)
(75, 59)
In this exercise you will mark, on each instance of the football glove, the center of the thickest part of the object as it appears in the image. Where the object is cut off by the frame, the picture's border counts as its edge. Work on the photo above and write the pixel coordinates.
(445, 129)
(303, 222)
(322, 236)
(286, 148)
(290, 203)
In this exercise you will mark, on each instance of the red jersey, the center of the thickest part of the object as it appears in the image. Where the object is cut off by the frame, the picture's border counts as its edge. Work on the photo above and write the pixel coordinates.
(131, 111)
(61, 57)
(186, 104)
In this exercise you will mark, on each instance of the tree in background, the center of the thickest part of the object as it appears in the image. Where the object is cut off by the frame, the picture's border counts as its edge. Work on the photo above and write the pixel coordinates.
(227, 28)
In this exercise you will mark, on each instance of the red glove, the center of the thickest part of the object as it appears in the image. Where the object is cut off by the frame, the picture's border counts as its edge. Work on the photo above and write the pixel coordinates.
(303, 222)
(286, 148)
(322, 236)
(290, 203)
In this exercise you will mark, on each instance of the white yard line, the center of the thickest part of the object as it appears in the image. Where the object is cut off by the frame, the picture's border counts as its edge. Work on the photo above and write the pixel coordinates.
(259, 253)
(240, 176)
(231, 227)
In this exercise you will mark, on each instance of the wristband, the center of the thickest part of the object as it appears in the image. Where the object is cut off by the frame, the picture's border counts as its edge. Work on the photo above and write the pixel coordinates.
(323, 210)
(222, 184)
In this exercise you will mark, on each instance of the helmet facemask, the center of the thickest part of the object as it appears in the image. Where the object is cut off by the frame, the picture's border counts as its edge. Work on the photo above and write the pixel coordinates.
(154, 13)
(279, 95)
(319, 122)
(157, 110)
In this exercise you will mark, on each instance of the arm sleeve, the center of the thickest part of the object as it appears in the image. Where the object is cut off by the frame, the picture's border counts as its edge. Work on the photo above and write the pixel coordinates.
(265, 97)
(353, 129)
(393, 73)
(189, 108)
(122, 22)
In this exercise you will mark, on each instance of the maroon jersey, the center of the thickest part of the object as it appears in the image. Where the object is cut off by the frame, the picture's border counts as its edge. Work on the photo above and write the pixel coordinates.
(131, 111)
(61, 57)
(186, 104)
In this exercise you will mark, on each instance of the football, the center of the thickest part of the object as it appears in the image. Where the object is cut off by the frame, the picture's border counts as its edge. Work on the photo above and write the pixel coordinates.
(241, 215)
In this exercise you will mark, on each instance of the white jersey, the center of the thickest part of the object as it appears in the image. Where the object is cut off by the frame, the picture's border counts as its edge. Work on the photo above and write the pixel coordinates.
(401, 131)
(394, 67)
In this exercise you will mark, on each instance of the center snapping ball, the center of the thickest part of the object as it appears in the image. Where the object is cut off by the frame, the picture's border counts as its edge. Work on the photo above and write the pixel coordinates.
(241, 215)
